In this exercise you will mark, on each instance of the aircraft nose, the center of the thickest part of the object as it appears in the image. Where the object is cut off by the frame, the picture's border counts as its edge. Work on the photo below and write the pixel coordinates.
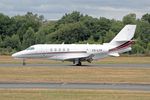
(17, 55)
(14, 55)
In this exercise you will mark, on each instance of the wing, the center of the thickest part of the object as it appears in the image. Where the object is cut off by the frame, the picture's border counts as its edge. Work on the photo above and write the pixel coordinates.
(71, 56)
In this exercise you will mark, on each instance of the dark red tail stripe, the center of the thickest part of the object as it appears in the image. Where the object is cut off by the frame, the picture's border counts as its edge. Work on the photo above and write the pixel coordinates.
(119, 46)
(122, 46)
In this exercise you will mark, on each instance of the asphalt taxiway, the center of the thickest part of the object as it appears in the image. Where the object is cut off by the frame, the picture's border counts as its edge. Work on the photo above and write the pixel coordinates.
(104, 86)
(110, 86)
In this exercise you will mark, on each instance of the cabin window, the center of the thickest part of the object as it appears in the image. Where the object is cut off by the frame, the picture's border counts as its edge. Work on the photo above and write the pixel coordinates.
(30, 48)
(51, 50)
(59, 49)
(100, 50)
(68, 49)
(55, 49)
(64, 49)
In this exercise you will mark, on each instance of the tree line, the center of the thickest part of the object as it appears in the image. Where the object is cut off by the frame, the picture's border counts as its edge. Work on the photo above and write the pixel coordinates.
(21, 31)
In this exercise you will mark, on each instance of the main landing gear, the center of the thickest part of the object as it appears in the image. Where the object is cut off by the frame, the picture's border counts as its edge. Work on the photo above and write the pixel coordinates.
(77, 62)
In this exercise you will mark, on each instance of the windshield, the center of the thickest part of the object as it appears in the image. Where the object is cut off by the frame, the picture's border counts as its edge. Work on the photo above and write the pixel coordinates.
(30, 48)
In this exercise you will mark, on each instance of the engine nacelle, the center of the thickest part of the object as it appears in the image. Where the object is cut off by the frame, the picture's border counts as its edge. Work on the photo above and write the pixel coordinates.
(104, 50)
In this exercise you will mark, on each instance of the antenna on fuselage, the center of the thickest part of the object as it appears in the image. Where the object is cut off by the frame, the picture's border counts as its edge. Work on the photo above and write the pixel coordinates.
(63, 43)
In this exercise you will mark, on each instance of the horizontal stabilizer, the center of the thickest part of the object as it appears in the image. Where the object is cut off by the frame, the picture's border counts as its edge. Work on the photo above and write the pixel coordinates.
(114, 54)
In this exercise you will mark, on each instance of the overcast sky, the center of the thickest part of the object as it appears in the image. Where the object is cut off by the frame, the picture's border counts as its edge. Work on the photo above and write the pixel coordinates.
(55, 9)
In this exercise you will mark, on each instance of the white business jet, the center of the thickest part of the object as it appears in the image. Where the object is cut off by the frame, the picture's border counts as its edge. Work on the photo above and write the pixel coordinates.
(78, 53)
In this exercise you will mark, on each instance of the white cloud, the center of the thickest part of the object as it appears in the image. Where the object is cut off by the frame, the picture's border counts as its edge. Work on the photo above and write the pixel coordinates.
(54, 9)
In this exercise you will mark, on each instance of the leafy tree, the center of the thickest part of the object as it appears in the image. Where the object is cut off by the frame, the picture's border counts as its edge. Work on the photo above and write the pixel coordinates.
(90, 23)
(116, 26)
(19, 32)
(69, 33)
(129, 19)
(137, 49)
(148, 46)
(148, 49)
(109, 36)
(16, 42)
(91, 40)
(12, 42)
(71, 18)
(44, 30)
(28, 38)
(143, 33)
(104, 24)
(6, 25)
(146, 17)
(26, 21)
(1, 41)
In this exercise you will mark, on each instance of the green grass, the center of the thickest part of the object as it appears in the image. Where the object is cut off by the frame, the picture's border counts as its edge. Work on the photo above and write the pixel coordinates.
(75, 74)
(43, 94)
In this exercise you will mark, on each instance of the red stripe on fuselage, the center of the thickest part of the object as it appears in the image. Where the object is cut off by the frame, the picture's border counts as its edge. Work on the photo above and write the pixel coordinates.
(127, 44)
(56, 52)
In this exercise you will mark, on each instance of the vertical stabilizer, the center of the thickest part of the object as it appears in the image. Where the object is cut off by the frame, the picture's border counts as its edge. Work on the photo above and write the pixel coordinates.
(122, 41)
(126, 34)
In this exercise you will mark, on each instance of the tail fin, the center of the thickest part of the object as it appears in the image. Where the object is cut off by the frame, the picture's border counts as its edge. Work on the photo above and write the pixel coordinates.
(122, 42)
(126, 34)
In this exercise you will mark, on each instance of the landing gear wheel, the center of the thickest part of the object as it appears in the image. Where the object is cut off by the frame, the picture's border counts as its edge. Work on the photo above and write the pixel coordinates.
(23, 63)
(79, 63)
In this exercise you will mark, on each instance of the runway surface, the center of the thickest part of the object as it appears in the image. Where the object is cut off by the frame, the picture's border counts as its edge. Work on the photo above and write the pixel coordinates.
(110, 86)
(69, 65)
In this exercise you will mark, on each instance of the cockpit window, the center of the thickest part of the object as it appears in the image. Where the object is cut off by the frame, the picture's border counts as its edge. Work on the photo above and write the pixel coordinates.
(30, 48)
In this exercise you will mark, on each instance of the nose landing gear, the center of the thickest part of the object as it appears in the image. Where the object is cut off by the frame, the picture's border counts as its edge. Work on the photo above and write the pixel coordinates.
(23, 62)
